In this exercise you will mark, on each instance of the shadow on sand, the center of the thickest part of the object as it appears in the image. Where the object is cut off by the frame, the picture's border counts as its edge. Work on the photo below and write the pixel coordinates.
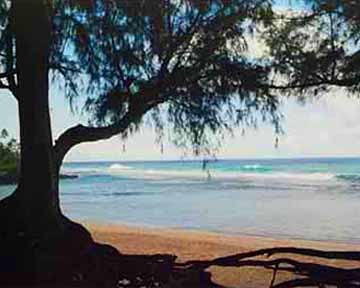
(103, 266)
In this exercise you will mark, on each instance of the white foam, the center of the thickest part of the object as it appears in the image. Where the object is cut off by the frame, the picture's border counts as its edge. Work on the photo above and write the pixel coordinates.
(289, 176)
(119, 167)
(198, 174)
(218, 175)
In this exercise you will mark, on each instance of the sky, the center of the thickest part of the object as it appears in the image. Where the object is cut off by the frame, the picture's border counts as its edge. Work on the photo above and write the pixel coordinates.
(328, 127)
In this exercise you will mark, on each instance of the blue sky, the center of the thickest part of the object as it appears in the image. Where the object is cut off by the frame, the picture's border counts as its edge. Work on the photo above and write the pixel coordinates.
(326, 127)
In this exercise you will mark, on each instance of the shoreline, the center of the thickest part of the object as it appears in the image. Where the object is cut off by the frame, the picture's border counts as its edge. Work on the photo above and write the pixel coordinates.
(101, 225)
(187, 233)
(198, 245)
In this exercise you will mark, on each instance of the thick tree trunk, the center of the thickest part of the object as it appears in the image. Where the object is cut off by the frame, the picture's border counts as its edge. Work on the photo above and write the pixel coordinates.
(37, 243)
(37, 191)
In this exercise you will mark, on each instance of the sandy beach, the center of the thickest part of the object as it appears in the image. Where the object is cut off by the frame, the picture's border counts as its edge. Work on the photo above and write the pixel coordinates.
(195, 245)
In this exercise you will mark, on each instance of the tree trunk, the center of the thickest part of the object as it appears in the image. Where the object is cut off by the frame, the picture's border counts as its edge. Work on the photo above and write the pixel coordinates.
(37, 243)
(37, 191)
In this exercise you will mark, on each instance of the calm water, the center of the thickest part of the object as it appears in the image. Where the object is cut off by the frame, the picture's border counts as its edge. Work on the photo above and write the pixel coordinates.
(302, 198)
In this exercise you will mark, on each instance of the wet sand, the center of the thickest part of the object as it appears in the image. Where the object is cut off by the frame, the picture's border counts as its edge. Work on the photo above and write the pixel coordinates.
(195, 245)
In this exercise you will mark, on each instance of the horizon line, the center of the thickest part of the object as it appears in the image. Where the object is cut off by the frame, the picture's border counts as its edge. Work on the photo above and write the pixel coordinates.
(222, 159)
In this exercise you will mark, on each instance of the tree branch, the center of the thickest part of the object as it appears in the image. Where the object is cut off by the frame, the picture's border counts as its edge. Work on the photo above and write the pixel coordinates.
(10, 74)
(80, 134)
(4, 86)
(7, 75)
(345, 82)
(233, 259)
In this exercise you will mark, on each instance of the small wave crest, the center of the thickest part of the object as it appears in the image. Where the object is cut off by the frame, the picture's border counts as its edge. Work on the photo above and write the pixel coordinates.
(255, 167)
(349, 177)
(119, 167)
(290, 176)
(247, 172)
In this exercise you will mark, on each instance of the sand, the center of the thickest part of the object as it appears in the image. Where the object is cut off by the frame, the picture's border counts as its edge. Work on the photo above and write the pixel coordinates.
(194, 245)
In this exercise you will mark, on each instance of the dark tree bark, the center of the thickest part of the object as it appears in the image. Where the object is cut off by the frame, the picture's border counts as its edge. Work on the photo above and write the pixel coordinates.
(36, 195)
(36, 199)
(35, 238)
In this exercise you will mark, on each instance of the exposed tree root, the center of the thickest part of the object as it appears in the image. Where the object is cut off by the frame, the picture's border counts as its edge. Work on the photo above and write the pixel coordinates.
(67, 256)
(311, 274)
(268, 252)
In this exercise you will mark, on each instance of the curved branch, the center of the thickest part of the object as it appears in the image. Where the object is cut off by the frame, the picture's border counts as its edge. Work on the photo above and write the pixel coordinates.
(4, 86)
(7, 75)
(80, 134)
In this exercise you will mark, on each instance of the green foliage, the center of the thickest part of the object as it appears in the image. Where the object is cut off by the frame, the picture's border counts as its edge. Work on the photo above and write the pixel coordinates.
(315, 49)
(4, 133)
(183, 66)
(182, 63)
(9, 154)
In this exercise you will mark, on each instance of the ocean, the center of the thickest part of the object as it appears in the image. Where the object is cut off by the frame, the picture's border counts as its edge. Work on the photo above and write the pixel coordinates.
(315, 199)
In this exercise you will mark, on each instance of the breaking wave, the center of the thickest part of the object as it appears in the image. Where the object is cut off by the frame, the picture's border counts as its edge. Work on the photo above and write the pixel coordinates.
(247, 172)
(119, 167)
(349, 177)
(256, 168)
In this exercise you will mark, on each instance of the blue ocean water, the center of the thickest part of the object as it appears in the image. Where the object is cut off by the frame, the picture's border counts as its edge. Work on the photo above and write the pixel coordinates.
(294, 198)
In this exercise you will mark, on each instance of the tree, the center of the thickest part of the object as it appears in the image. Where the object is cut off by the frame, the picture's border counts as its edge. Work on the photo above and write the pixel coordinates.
(311, 52)
(178, 64)
(316, 49)
(4, 134)
(9, 154)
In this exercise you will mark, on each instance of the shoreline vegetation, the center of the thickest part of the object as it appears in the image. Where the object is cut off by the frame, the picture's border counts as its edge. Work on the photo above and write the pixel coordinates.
(196, 245)
(10, 158)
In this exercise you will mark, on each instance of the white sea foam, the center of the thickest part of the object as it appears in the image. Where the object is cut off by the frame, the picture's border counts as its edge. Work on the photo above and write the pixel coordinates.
(249, 173)
(159, 174)
(94, 170)
(119, 167)
(290, 176)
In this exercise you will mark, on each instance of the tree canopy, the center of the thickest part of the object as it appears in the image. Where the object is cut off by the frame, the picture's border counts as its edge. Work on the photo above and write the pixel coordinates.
(316, 48)
(180, 65)
(183, 63)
